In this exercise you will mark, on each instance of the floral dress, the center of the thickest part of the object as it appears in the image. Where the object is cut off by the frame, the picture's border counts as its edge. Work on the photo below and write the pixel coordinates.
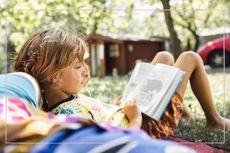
(86, 107)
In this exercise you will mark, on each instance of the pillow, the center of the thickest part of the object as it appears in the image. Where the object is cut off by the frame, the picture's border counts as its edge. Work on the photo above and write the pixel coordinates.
(20, 85)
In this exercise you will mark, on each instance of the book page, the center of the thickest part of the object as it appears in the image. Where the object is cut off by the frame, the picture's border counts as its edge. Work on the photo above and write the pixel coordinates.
(161, 107)
(140, 72)
(152, 86)
(151, 91)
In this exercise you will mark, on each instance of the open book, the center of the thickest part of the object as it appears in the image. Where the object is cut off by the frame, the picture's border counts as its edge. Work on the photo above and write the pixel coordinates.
(152, 86)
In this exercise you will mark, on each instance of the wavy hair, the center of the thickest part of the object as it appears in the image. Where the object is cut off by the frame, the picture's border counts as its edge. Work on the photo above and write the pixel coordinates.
(47, 52)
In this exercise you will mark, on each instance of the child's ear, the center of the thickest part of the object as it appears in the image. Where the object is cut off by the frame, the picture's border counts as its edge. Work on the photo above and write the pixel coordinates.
(59, 79)
(53, 80)
(56, 79)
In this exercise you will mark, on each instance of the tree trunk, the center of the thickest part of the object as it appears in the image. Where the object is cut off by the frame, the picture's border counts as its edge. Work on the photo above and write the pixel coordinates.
(174, 41)
(197, 41)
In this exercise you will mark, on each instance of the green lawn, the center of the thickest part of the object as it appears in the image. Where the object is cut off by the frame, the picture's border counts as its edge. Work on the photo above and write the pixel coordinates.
(108, 88)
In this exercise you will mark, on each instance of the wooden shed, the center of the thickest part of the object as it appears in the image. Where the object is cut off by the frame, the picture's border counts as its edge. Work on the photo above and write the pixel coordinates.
(109, 54)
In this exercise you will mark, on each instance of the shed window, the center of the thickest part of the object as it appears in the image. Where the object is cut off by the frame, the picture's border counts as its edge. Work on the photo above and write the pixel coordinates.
(114, 50)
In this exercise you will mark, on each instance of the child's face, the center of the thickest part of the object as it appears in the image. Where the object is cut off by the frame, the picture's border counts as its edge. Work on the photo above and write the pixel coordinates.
(73, 77)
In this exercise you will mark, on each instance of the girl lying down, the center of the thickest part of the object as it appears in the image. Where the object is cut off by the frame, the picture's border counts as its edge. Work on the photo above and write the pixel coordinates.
(56, 60)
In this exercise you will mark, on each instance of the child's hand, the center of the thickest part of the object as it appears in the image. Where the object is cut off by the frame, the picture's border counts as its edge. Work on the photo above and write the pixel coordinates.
(117, 101)
(133, 113)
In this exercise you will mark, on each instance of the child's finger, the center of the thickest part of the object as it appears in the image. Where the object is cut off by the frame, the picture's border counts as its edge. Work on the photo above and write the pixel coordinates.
(117, 100)
(135, 101)
(132, 102)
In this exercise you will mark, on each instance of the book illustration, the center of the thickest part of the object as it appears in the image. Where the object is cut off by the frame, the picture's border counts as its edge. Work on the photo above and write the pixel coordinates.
(152, 86)
(132, 86)
(148, 91)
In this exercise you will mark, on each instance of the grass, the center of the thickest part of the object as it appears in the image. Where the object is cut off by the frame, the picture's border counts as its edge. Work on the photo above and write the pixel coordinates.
(108, 88)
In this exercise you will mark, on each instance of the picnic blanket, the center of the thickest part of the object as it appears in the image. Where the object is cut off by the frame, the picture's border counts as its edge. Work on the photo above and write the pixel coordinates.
(26, 129)
(199, 147)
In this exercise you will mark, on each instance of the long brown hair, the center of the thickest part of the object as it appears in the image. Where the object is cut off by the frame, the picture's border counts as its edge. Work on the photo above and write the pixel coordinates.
(47, 52)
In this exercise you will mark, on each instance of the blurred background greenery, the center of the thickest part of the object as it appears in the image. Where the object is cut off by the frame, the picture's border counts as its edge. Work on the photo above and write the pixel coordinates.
(20, 18)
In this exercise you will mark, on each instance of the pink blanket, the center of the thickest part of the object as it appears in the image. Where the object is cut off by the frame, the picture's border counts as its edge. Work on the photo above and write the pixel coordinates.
(199, 147)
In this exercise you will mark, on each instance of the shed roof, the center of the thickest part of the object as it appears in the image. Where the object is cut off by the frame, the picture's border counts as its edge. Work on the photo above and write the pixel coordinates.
(123, 38)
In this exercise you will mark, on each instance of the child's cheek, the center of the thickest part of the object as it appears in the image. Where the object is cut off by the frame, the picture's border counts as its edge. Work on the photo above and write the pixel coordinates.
(76, 75)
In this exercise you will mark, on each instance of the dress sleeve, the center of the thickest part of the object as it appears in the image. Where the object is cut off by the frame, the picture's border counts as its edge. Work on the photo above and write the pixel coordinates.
(18, 85)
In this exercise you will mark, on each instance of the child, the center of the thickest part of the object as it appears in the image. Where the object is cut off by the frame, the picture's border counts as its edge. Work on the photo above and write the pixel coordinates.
(56, 60)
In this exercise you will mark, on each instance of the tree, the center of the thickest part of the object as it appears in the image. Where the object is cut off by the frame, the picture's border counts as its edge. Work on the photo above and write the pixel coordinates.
(191, 18)
(174, 41)
(26, 17)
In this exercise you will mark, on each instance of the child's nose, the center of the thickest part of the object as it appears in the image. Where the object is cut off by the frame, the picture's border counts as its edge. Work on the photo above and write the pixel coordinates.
(85, 73)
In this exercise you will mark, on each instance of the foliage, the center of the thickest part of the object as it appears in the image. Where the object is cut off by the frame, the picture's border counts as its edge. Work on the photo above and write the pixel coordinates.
(109, 16)
(20, 18)
(191, 16)
(76, 16)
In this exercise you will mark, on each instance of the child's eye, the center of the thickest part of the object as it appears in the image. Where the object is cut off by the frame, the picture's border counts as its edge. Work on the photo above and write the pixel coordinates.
(77, 67)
